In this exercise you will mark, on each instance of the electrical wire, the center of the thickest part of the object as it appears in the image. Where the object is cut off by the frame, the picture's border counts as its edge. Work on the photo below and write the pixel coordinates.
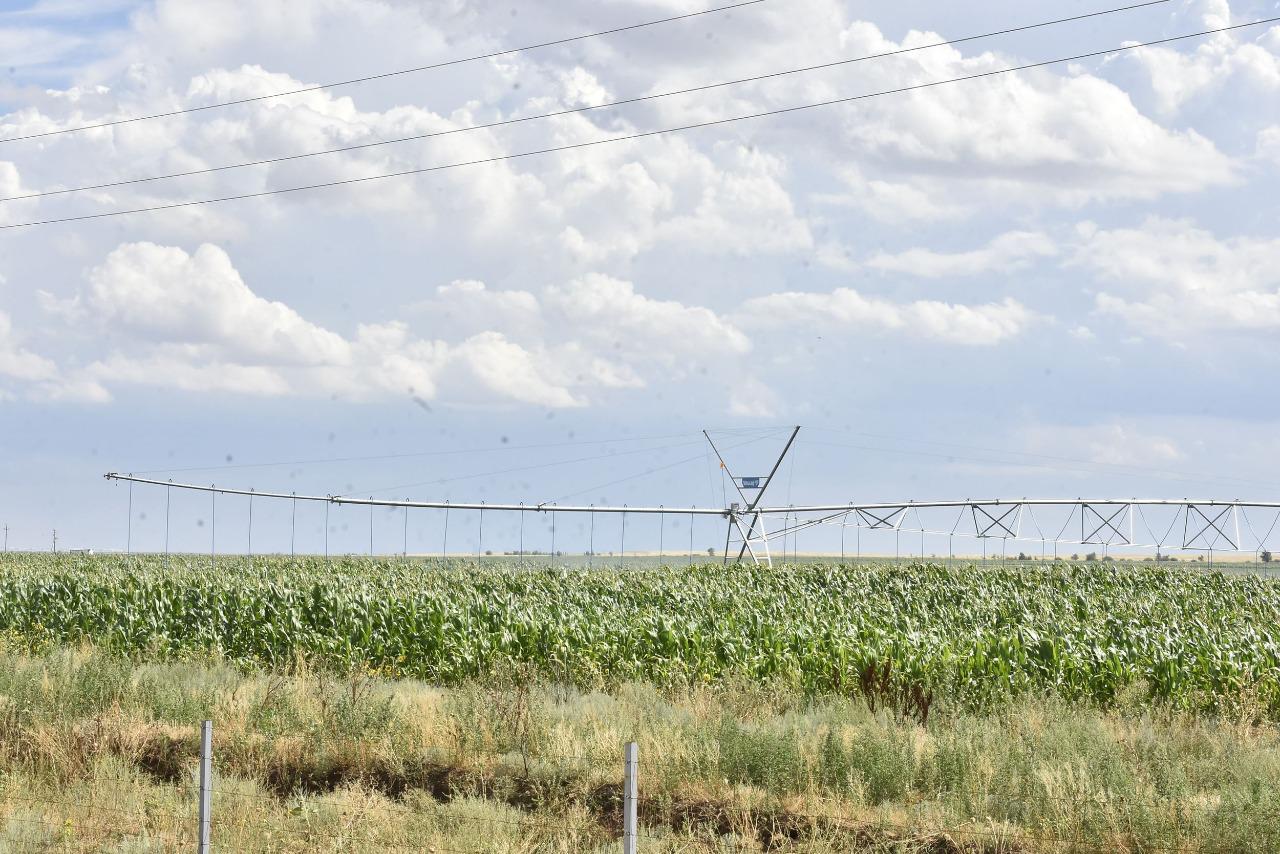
(658, 469)
(1125, 468)
(573, 110)
(643, 134)
(385, 75)
(411, 455)
(531, 467)
(1020, 463)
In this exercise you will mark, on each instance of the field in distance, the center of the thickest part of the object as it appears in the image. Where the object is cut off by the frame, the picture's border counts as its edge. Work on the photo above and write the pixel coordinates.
(909, 636)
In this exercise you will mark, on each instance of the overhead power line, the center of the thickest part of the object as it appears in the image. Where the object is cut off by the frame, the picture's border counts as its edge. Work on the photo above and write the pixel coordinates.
(656, 469)
(385, 75)
(1023, 463)
(644, 134)
(513, 470)
(584, 109)
(415, 454)
(460, 451)
(1118, 468)
(553, 463)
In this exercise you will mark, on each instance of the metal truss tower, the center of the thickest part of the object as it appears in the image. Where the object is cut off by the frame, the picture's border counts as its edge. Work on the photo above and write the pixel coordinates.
(1161, 524)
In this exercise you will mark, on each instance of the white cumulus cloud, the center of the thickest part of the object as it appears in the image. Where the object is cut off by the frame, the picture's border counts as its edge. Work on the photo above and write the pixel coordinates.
(164, 294)
(37, 375)
(1116, 443)
(845, 309)
(1170, 277)
(1239, 59)
(1011, 251)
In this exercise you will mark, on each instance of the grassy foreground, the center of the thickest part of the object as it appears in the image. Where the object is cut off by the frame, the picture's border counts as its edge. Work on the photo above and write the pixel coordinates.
(98, 753)
(380, 706)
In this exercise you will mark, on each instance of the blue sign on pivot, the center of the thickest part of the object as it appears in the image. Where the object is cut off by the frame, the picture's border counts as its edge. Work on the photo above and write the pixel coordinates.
(751, 483)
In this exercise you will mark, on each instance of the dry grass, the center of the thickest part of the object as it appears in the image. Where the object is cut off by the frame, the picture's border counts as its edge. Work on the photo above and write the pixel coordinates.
(98, 754)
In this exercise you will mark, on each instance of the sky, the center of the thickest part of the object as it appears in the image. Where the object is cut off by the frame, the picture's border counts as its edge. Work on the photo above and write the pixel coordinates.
(1057, 282)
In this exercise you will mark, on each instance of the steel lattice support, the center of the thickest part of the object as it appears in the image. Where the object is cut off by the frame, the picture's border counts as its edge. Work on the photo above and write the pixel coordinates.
(751, 525)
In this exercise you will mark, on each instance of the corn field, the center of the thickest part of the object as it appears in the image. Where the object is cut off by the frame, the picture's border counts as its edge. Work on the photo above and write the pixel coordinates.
(904, 636)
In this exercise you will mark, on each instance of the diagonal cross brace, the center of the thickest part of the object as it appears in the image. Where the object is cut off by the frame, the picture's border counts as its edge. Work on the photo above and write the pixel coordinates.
(992, 522)
(1108, 522)
(882, 520)
(1214, 524)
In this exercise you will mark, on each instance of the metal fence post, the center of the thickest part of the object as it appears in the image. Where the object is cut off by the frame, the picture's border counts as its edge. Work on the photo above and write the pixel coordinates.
(630, 789)
(206, 784)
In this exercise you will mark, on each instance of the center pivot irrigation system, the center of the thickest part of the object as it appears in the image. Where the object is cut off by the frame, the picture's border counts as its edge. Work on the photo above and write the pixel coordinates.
(1153, 523)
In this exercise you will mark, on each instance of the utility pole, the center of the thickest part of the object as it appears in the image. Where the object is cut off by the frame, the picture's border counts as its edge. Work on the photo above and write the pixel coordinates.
(55, 540)
(6, 539)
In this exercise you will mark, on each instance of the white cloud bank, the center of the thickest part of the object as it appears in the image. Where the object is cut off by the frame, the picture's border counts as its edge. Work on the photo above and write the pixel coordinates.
(192, 323)
(40, 376)
(846, 309)
(1242, 60)
(1169, 277)
(165, 294)
(188, 321)
(1007, 252)
(596, 222)
(17, 362)
(1114, 444)
(1039, 138)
